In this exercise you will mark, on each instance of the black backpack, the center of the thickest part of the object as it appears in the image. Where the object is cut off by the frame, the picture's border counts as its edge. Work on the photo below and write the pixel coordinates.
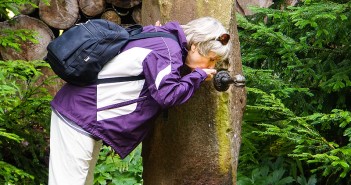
(78, 55)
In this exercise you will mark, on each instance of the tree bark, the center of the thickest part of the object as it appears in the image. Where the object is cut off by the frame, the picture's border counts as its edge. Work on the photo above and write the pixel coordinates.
(60, 14)
(190, 145)
(195, 143)
(237, 97)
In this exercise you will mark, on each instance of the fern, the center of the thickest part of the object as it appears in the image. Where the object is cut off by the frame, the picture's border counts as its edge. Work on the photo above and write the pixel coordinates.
(24, 117)
(10, 135)
(297, 65)
(13, 6)
(13, 174)
(10, 38)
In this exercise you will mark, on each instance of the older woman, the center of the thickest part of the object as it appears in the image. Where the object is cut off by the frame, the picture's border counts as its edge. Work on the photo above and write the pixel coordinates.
(118, 113)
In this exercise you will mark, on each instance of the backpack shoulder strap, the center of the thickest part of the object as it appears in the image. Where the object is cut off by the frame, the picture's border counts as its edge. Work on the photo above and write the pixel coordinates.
(120, 79)
(153, 34)
(134, 29)
(135, 33)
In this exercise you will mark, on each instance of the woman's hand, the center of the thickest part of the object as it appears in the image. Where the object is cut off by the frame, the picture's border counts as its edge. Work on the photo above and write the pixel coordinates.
(158, 23)
(210, 73)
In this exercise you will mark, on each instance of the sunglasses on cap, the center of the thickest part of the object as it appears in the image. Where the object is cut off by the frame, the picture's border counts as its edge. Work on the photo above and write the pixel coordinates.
(224, 38)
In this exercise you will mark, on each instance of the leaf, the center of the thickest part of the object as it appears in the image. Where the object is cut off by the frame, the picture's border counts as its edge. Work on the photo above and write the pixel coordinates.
(312, 180)
(343, 17)
(10, 135)
(286, 180)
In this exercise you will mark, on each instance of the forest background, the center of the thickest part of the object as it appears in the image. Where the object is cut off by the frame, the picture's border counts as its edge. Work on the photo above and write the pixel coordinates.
(297, 123)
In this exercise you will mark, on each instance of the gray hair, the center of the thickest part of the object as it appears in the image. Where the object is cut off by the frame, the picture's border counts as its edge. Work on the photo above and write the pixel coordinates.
(203, 32)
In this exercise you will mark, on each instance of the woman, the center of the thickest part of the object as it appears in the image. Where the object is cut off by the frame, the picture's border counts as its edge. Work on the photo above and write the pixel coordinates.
(118, 113)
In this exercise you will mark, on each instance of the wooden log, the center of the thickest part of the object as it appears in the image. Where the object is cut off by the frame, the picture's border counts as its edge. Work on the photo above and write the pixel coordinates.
(60, 14)
(124, 3)
(92, 7)
(112, 16)
(137, 14)
(29, 50)
(27, 8)
(56, 83)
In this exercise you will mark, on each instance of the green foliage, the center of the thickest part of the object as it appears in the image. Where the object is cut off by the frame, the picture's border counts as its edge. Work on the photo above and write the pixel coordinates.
(25, 108)
(310, 145)
(303, 181)
(298, 69)
(310, 46)
(276, 173)
(14, 6)
(24, 120)
(11, 136)
(13, 38)
(113, 170)
(10, 173)
(13, 175)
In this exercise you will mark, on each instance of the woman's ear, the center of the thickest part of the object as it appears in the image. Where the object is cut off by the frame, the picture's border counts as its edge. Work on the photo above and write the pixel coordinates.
(193, 48)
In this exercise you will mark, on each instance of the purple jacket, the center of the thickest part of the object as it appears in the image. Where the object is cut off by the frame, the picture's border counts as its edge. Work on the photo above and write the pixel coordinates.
(118, 113)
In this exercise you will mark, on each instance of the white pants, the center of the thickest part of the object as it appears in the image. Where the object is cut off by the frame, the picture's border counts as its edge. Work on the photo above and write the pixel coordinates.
(73, 155)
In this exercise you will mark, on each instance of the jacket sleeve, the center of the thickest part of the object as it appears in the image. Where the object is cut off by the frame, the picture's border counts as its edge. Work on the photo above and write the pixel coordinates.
(165, 84)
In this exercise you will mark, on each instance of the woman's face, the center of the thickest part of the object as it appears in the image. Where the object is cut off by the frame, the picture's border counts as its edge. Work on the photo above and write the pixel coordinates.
(196, 60)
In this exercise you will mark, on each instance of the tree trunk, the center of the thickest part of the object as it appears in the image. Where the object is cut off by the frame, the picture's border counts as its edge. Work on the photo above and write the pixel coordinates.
(184, 10)
(194, 143)
(243, 6)
(60, 14)
(190, 146)
(237, 97)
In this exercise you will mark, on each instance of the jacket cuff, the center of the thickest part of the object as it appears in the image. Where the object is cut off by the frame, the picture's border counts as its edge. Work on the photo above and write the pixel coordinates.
(202, 73)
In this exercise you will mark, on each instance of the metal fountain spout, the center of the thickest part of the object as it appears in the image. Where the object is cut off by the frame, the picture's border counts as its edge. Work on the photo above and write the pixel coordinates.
(222, 80)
